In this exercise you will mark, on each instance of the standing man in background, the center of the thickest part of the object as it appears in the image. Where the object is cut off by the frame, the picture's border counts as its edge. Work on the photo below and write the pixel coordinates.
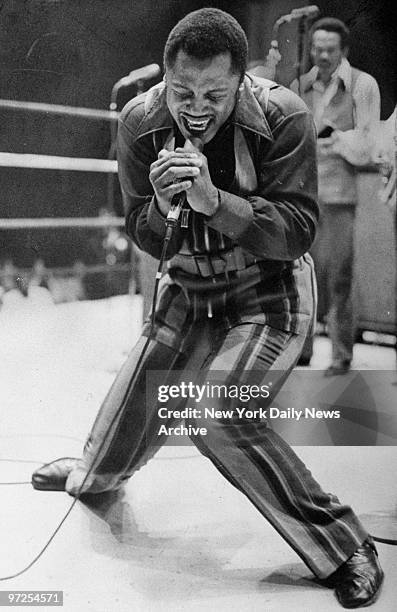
(346, 107)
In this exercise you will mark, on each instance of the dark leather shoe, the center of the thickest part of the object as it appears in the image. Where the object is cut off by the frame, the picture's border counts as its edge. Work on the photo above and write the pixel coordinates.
(52, 476)
(337, 368)
(357, 582)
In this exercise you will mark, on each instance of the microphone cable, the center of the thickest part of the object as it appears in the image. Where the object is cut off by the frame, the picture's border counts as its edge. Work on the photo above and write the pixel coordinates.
(390, 541)
(171, 224)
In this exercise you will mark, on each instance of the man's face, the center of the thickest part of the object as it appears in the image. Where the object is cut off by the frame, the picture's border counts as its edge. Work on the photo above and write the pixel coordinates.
(326, 51)
(201, 94)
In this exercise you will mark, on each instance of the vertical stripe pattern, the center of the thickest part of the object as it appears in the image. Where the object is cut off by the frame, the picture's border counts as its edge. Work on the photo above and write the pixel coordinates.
(322, 531)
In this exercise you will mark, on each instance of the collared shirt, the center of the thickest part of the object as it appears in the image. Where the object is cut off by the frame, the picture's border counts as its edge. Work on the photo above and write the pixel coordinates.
(366, 96)
(350, 104)
(354, 144)
(323, 93)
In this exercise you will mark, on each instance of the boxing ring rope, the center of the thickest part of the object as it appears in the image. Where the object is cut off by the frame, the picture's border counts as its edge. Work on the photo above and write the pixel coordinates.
(60, 109)
(61, 222)
(62, 163)
(54, 162)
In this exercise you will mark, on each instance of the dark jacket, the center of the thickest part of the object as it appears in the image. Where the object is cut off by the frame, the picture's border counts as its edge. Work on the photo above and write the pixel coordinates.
(275, 217)
(266, 220)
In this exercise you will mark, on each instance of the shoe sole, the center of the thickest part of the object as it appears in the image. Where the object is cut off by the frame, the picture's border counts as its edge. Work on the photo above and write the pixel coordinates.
(43, 486)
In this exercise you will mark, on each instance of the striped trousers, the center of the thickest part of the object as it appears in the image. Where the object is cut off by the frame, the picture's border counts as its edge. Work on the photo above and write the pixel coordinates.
(252, 457)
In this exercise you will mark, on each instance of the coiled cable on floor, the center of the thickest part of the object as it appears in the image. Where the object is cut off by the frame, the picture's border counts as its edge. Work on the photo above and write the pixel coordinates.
(169, 232)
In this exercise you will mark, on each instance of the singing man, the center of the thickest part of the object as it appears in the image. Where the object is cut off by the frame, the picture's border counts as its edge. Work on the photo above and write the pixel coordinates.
(238, 295)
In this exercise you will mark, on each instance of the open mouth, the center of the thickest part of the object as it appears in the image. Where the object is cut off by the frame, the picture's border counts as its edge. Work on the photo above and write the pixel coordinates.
(198, 124)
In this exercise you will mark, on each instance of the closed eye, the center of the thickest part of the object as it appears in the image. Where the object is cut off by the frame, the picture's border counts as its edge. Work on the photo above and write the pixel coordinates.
(182, 96)
(213, 98)
(187, 95)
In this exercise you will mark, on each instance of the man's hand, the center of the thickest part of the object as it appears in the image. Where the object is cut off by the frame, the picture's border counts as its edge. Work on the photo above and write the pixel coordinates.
(202, 195)
(172, 173)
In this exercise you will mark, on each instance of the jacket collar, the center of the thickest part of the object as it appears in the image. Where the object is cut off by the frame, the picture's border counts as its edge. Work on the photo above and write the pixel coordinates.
(343, 73)
(247, 113)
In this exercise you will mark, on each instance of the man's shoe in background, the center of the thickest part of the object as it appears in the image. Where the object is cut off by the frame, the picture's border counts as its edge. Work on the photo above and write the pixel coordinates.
(338, 367)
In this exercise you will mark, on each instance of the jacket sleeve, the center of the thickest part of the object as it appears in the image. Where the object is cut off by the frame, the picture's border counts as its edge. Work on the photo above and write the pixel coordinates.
(145, 224)
(279, 221)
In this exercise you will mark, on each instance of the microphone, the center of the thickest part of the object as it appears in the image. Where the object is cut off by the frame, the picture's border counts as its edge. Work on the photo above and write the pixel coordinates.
(141, 74)
(175, 210)
(179, 199)
(307, 12)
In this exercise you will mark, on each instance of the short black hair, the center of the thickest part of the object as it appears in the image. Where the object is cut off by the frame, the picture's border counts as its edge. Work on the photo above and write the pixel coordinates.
(206, 33)
(330, 24)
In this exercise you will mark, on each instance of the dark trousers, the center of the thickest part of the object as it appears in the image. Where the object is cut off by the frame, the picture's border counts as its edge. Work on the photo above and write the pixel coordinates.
(332, 253)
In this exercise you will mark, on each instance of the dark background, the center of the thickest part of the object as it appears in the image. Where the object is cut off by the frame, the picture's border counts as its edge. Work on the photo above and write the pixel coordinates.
(72, 52)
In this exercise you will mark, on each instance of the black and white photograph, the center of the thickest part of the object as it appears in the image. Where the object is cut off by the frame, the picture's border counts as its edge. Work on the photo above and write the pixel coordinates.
(198, 305)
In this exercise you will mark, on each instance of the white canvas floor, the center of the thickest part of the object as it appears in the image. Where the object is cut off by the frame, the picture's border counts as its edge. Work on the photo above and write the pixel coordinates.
(179, 538)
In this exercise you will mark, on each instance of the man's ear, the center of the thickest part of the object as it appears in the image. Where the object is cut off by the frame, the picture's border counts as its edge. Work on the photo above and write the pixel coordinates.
(239, 91)
(345, 51)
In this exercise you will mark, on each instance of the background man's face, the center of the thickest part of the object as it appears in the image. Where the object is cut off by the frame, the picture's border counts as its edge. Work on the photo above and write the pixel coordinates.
(326, 51)
(201, 94)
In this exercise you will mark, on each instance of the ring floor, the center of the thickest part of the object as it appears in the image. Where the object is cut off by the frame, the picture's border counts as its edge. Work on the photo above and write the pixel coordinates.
(179, 537)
